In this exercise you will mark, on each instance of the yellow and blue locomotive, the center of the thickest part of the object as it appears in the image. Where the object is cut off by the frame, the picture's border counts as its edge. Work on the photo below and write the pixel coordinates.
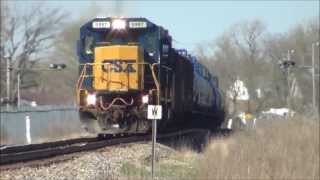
(126, 64)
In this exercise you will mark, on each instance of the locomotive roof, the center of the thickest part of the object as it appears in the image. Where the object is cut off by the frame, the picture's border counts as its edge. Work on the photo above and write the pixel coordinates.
(128, 19)
(194, 60)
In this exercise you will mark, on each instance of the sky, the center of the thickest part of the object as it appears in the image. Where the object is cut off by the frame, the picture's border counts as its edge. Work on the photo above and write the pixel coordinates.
(193, 22)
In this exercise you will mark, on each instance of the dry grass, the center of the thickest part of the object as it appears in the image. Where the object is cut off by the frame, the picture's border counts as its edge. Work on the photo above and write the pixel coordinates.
(282, 150)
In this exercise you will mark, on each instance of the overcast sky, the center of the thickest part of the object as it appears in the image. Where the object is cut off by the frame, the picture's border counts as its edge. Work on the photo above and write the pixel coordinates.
(192, 22)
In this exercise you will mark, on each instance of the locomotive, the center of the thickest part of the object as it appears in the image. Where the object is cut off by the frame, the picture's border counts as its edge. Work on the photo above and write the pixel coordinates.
(125, 64)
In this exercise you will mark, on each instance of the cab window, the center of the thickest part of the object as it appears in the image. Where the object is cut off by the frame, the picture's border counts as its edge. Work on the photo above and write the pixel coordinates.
(88, 45)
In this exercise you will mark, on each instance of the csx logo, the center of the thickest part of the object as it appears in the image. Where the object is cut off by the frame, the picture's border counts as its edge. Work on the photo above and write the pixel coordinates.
(118, 66)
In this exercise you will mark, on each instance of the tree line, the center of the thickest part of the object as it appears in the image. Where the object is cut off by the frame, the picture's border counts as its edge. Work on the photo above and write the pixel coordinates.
(246, 51)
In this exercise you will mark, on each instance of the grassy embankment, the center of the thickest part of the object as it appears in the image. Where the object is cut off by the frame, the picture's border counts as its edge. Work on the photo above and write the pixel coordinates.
(280, 150)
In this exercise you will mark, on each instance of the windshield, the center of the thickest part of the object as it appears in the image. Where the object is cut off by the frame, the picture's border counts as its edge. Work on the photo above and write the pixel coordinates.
(147, 39)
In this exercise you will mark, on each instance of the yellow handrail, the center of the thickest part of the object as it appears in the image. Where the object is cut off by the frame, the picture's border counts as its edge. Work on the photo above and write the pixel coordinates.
(83, 74)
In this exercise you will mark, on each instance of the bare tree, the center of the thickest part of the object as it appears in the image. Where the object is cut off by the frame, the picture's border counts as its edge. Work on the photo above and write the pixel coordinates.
(299, 38)
(64, 51)
(26, 38)
(239, 55)
(248, 36)
(247, 51)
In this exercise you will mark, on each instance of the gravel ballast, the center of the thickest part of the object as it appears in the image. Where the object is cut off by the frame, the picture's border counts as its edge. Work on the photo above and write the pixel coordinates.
(104, 163)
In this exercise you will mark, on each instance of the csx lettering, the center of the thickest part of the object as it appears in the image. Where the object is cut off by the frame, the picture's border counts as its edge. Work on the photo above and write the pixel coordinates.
(118, 66)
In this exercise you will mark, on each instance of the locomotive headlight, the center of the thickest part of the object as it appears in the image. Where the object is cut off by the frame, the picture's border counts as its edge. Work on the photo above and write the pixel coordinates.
(118, 24)
(91, 99)
(145, 99)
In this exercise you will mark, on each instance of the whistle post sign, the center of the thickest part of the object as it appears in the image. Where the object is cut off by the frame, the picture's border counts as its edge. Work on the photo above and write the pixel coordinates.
(154, 111)
(154, 114)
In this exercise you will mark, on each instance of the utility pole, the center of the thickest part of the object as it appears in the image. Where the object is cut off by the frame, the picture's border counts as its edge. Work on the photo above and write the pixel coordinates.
(287, 64)
(288, 79)
(8, 81)
(18, 89)
(313, 75)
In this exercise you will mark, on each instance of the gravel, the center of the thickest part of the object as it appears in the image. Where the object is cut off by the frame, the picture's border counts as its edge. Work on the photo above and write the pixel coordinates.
(105, 163)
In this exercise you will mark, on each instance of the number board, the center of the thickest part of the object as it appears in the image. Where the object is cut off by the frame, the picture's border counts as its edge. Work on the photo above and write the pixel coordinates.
(137, 24)
(100, 24)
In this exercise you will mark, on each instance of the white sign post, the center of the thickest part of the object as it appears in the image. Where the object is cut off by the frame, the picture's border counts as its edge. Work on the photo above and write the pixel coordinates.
(154, 113)
(28, 135)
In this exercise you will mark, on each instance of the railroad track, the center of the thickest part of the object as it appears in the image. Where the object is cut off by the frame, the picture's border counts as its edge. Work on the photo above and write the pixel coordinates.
(15, 154)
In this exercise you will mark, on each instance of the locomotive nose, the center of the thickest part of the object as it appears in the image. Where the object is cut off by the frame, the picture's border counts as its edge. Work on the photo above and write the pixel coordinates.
(118, 68)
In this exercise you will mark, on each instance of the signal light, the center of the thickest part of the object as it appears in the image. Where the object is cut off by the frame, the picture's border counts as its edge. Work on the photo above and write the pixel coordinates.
(57, 66)
(53, 66)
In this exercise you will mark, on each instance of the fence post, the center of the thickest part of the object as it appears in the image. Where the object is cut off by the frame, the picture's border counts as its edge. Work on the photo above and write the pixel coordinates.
(28, 135)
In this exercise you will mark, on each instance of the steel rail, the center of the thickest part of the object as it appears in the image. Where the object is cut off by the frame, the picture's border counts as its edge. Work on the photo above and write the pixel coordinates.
(30, 147)
(15, 154)
(46, 150)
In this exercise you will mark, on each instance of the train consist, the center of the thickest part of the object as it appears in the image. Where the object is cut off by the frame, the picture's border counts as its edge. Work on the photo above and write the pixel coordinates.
(128, 63)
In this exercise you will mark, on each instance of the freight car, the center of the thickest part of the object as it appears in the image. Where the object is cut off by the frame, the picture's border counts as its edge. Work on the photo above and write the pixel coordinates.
(126, 64)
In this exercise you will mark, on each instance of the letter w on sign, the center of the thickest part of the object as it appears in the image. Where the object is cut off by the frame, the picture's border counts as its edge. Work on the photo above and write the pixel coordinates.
(154, 111)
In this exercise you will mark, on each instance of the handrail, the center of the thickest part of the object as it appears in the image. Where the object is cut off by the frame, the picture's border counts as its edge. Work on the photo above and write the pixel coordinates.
(154, 75)
(80, 79)
(83, 73)
(113, 101)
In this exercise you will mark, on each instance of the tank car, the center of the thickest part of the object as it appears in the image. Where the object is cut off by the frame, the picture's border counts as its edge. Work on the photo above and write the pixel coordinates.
(126, 64)
(207, 101)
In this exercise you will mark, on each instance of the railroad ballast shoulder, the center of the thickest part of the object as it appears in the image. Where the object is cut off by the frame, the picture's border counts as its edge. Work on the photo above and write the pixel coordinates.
(126, 64)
